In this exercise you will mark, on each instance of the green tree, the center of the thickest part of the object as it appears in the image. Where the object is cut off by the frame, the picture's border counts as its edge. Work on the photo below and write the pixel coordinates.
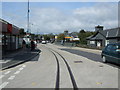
(61, 36)
(51, 36)
(83, 35)
(22, 32)
(46, 37)
(32, 36)
(82, 31)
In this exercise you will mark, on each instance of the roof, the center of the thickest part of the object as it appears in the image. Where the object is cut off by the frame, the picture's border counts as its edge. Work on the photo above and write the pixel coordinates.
(4, 27)
(108, 33)
(115, 32)
(90, 37)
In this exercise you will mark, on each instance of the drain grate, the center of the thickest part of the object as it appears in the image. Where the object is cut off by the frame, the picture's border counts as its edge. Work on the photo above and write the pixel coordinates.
(78, 61)
(100, 65)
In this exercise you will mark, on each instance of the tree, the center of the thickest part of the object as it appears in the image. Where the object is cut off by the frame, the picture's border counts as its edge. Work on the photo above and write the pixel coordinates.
(32, 36)
(82, 31)
(83, 35)
(22, 32)
(46, 37)
(61, 36)
(51, 36)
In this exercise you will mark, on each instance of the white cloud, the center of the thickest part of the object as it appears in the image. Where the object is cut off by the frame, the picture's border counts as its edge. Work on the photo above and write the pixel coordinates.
(53, 20)
(105, 14)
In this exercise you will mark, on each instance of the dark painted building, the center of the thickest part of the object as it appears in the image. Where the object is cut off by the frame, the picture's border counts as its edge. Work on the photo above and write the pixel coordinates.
(104, 37)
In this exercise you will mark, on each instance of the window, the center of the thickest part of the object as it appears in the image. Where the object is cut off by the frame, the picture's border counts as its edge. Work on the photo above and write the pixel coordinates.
(118, 46)
(118, 39)
(112, 48)
(109, 47)
(106, 42)
(92, 42)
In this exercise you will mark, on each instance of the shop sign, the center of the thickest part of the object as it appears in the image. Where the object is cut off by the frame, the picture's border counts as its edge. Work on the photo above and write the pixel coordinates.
(9, 28)
(15, 30)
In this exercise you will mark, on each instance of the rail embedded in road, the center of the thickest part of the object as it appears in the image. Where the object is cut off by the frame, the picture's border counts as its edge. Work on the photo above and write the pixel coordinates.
(58, 70)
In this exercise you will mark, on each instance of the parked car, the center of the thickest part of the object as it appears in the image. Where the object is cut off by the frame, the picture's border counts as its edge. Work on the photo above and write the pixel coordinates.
(111, 53)
(43, 42)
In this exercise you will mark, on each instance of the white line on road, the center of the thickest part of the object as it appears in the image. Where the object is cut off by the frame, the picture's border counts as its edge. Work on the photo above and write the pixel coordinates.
(11, 77)
(1, 76)
(24, 66)
(17, 72)
(3, 84)
(21, 68)
(7, 72)
(5, 61)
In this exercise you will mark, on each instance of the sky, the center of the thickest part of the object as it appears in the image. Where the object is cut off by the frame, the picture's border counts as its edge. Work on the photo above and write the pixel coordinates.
(55, 17)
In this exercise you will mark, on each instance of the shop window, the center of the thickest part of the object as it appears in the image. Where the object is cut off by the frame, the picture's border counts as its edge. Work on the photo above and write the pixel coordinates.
(13, 38)
(119, 40)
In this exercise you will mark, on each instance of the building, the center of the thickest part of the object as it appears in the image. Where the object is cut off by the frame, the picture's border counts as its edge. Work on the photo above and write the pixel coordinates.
(11, 39)
(104, 37)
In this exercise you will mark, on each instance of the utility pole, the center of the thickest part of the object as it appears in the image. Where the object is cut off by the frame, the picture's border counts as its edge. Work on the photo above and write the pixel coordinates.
(28, 11)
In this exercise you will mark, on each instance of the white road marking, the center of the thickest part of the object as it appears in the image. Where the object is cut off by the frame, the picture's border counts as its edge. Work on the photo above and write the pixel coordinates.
(17, 72)
(7, 72)
(11, 77)
(3, 84)
(1, 76)
(5, 61)
(21, 68)
(24, 66)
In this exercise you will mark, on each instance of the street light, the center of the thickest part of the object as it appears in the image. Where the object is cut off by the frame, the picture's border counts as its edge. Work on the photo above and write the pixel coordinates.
(28, 11)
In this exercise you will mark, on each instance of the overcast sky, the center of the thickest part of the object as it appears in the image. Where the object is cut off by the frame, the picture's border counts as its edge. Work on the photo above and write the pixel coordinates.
(55, 17)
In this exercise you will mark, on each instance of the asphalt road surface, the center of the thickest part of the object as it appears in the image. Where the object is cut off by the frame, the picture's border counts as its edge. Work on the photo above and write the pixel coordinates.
(91, 56)
(58, 67)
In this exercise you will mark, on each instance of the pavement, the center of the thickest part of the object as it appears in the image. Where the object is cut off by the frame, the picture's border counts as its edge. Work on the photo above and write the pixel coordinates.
(40, 72)
(95, 51)
(18, 57)
(69, 45)
(87, 68)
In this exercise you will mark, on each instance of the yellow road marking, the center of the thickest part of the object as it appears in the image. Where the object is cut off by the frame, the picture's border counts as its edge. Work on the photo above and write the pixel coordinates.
(33, 83)
(99, 83)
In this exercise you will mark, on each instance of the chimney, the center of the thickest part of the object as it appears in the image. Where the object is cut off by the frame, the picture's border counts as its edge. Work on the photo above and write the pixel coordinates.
(98, 28)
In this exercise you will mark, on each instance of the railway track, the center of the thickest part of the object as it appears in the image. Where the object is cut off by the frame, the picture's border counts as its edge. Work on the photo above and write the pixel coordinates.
(57, 86)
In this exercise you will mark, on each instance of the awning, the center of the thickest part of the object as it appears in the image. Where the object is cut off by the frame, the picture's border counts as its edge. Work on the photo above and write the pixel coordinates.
(68, 37)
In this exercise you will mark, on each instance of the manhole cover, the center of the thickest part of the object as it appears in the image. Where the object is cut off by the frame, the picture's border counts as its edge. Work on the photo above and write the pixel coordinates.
(100, 65)
(78, 61)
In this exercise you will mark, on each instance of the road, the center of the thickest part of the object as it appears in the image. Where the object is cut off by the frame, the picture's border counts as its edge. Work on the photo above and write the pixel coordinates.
(61, 67)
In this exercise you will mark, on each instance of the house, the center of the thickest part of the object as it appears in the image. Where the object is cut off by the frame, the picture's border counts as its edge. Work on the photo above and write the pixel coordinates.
(103, 37)
(73, 36)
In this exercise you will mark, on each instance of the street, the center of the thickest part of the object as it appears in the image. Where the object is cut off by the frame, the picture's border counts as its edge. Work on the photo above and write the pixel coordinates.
(61, 67)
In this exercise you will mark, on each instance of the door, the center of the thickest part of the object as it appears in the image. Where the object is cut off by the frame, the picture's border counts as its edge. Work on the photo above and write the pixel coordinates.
(118, 51)
(114, 54)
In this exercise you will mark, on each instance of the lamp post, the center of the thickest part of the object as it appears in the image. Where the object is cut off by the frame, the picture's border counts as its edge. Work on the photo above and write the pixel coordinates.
(28, 11)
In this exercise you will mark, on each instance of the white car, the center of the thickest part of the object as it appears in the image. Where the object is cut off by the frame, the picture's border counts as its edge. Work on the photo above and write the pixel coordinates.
(43, 42)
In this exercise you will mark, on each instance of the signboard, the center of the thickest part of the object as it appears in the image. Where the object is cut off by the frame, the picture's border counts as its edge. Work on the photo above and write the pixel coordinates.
(9, 28)
(15, 30)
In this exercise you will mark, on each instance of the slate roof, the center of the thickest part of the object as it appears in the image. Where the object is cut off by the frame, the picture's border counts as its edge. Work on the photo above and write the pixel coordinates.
(108, 33)
(115, 32)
